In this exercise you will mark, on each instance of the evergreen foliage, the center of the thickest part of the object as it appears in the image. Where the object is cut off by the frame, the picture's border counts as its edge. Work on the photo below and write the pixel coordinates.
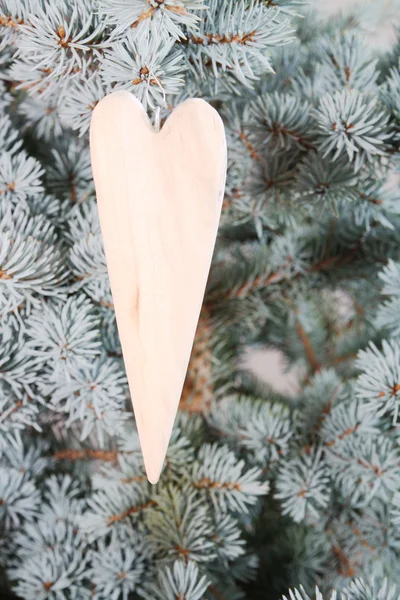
(262, 491)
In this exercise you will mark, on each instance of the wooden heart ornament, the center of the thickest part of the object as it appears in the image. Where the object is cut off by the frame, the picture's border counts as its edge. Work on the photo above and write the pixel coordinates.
(159, 197)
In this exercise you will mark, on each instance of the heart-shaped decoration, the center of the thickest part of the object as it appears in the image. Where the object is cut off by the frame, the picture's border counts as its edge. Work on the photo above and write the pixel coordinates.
(159, 197)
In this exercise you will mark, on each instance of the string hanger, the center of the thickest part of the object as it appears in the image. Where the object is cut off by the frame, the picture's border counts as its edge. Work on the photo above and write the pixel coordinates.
(156, 109)
(157, 114)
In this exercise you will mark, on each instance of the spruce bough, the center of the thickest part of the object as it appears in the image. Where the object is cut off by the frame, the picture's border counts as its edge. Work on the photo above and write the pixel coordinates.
(264, 495)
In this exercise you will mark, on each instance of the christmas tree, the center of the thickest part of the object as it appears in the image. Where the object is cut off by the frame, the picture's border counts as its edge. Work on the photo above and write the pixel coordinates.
(265, 494)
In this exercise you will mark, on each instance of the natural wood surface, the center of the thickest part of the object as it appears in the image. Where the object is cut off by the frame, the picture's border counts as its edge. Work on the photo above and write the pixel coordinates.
(159, 198)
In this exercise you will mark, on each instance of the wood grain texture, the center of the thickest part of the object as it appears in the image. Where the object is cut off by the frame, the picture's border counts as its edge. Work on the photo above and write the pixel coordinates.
(159, 198)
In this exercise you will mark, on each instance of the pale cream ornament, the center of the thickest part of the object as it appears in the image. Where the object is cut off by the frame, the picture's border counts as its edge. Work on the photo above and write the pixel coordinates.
(159, 196)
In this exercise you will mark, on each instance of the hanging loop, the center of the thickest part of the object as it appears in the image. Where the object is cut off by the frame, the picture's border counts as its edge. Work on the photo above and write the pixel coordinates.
(157, 119)
(156, 109)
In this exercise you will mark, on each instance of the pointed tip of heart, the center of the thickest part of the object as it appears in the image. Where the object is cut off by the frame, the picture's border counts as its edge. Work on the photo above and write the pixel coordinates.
(153, 463)
(154, 436)
(153, 476)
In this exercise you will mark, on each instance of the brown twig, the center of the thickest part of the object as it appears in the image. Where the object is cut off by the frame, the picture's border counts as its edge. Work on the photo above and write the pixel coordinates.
(130, 511)
(208, 484)
(215, 593)
(252, 151)
(212, 38)
(346, 568)
(263, 281)
(306, 342)
(10, 22)
(86, 454)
